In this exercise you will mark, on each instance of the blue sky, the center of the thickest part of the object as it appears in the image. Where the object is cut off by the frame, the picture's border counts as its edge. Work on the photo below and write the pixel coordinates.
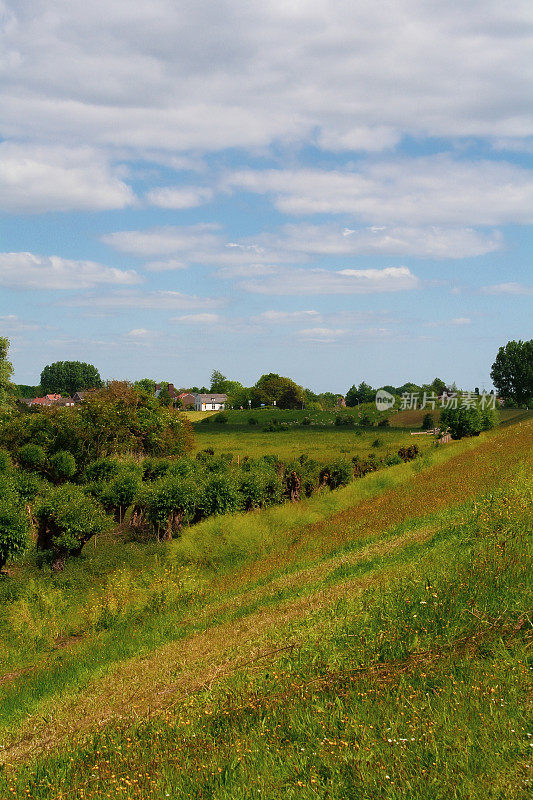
(335, 191)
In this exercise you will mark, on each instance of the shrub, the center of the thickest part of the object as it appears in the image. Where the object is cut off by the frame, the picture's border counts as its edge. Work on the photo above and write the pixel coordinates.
(221, 419)
(365, 421)
(118, 495)
(205, 455)
(253, 421)
(338, 474)
(28, 485)
(306, 421)
(259, 486)
(462, 421)
(170, 503)
(377, 442)
(103, 469)
(428, 422)
(408, 453)
(204, 421)
(155, 468)
(220, 495)
(384, 423)
(63, 466)
(67, 519)
(31, 456)
(13, 529)
(5, 461)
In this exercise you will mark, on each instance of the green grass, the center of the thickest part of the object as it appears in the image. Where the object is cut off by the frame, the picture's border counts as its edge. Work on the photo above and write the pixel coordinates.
(404, 598)
(416, 688)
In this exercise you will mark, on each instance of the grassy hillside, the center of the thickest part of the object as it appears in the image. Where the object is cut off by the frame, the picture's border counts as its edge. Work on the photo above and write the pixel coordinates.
(370, 642)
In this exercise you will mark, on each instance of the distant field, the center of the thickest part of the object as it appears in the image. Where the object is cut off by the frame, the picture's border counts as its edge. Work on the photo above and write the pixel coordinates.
(321, 443)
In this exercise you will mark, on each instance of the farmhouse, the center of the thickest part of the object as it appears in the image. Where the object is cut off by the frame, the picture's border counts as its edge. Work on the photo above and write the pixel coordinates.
(210, 402)
(187, 400)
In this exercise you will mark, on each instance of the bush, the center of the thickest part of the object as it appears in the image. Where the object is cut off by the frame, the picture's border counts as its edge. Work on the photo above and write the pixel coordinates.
(155, 468)
(338, 474)
(428, 422)
(408, 453)
(221, 419)
(377, 442)
(384, 423)
(169, 504)
(392, 460)
(14, 536)
(259, 486)
(365, 421)
(31, 456)
(466, 421)
(118, 495)
(253, 421)
(67, 519)
(103, 469)
(306, 421)
(63, 466)
(220, 496)
(5, 461)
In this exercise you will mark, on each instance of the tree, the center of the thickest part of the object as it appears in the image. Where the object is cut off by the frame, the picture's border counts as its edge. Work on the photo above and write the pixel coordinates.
(512, 371)
(67, 519)
(218, 381)
(14, 535)
(6, 371)
(145, 385)
(363, 393)
(273, 388)
(466, 421)
(67, 377)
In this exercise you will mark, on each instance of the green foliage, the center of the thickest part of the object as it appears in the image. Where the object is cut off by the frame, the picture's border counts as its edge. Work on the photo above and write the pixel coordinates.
(67, 519)
(220, 495)
(221, 419)
(103, 469)
(67, 377)
(31, 456)
(145, 385)
(62, 466)
(427, 422)
(384, 423)
(6, 371)
(118, 495)
(363, 393)
(273, 388)
(463, 421)
(512, 371)
(5, 461)
(14, 534)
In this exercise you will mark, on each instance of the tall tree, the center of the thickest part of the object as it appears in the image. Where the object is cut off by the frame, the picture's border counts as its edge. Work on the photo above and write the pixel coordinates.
(512, 371)
(67, 377)
(218, 381)
(273, 388)
(6, 371)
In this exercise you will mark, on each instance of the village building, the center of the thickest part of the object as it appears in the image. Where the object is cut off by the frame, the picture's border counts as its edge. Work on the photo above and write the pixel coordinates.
(210, 402)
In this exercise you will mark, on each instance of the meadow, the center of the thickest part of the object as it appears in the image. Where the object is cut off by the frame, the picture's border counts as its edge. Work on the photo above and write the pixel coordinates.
(368, 642)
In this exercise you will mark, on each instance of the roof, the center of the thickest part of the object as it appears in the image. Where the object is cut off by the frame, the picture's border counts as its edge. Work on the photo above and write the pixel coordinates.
(211, 398)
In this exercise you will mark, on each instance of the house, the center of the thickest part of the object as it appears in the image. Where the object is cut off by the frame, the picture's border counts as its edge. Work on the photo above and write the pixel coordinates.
(187, 400)
(210, 402)
(174, 394)
(79, 397)
(48, 400)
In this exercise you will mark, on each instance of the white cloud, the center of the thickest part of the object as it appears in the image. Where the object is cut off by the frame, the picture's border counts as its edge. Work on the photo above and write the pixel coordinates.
(139, 333)
(345, 281)
(162, 300)
(431, 241)
(179, 198)
(508, 288)
(39, 179)
(461, 321)
(432, 190)
(29, 271)
(199, 319)
(12, 324)
(321, 334)
(206, 76)
(284, 317)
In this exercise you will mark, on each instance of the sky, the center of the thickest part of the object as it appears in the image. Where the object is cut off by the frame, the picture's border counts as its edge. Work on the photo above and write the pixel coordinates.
(333, 190)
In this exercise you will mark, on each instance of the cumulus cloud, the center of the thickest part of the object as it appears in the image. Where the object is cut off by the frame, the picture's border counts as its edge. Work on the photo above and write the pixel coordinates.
(29, 271)
(432, 190)
(179, 197)
(508, 288)
(204, 76)
(344, 281)
(431, 241)
(38, 179)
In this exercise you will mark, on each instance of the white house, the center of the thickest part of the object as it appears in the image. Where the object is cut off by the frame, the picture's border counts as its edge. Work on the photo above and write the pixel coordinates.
(210, 402)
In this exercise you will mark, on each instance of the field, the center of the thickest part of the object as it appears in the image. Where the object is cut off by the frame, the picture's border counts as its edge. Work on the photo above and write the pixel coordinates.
(371, 642)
